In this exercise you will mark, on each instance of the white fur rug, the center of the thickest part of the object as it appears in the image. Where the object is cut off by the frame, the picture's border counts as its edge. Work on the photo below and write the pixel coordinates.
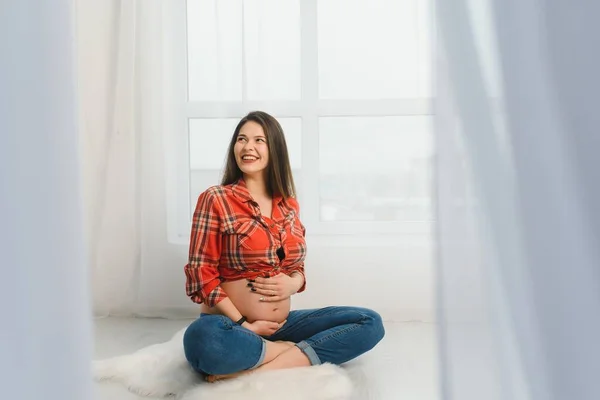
(161, 370)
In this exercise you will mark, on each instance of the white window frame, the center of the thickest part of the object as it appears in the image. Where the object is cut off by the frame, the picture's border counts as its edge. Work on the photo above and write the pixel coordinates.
(178, 110)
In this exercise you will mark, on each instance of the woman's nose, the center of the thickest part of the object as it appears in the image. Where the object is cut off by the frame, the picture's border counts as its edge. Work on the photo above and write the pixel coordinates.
(247, 146)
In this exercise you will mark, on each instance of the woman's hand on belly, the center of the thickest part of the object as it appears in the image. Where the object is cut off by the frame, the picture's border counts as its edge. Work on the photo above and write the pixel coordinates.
(250, 306)
(277, 288)
(264, 328)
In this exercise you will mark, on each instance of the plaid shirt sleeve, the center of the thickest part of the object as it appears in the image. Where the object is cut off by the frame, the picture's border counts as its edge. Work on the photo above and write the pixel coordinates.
(300, 270)
(300, 267)
(202, 275)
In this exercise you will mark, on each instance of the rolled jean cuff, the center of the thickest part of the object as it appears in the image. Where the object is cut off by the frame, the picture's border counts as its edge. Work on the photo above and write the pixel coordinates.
(262, 355)
(310, 352)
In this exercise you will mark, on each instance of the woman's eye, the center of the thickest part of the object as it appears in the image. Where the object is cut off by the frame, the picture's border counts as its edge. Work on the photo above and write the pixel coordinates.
(260, 140)
(240, 139)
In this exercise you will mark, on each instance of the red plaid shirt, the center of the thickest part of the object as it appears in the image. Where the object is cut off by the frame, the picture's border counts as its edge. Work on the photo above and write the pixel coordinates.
(231, 240)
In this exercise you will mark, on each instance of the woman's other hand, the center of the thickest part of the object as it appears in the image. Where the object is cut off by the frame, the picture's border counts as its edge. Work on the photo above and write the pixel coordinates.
(277, 288)
(263, 328)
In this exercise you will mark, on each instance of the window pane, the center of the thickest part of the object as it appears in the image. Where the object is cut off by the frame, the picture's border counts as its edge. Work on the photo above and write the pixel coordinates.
(373, 49)
(292, 129)
(209, 140)
(214, 50)
(270, 37)
(375, 168)
(272, 44)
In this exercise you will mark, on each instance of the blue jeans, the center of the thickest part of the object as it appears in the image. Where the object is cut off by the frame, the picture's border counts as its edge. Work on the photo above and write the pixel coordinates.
(215, 345)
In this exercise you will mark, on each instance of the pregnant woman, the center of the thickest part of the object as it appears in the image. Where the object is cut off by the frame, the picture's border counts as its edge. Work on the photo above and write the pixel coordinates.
(246, 260)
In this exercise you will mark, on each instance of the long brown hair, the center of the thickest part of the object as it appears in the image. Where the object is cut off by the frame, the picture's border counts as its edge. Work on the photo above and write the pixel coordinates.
(279, 179)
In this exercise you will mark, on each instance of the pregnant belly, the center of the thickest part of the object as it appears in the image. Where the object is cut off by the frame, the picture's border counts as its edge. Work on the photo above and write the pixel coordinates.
(248, 303)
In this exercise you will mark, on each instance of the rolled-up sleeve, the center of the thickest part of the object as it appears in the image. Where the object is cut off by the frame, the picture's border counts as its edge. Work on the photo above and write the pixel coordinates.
(299, 268)
(202, 274)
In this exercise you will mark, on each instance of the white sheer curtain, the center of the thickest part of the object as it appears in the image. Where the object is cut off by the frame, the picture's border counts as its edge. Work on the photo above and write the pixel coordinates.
(517, 199)
(112, 38)
(45, 340)
(107, 52)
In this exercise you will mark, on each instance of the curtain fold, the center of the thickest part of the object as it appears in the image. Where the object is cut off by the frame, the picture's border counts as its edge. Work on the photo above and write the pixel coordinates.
(107, 64)
(45, 340)
(518, 277)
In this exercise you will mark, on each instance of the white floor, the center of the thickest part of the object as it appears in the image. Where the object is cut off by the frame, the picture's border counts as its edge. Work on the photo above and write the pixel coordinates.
(403, 365)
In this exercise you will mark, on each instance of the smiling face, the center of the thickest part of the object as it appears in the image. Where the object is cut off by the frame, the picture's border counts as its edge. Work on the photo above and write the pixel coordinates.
(251, 150)
(258, 150)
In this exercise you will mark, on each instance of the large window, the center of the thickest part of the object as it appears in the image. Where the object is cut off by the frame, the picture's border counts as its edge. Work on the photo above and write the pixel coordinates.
(349, 80)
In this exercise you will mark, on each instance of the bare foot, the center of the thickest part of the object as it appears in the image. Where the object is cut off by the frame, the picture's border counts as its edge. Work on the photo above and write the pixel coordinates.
(274, 349)
(216, 378)
(292, 358)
